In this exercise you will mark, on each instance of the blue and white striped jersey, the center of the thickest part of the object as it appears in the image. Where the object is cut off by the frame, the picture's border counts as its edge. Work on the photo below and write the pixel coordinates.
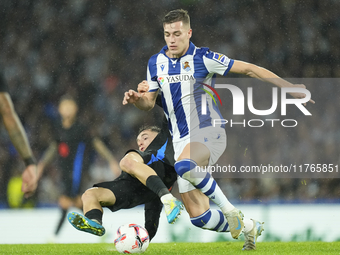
(181, 81)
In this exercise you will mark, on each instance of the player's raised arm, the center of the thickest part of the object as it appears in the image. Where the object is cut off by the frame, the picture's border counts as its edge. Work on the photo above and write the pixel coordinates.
(144, 100)
(263, 74)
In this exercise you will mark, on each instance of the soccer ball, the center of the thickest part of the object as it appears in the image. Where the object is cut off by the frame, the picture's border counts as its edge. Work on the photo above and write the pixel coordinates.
(131, 238)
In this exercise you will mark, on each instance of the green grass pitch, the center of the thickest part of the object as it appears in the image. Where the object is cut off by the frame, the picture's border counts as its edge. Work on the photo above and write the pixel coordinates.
(178, 248)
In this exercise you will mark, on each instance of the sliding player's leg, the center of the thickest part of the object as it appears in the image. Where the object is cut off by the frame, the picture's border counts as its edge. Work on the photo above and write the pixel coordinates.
(133, 164)
(93, 201)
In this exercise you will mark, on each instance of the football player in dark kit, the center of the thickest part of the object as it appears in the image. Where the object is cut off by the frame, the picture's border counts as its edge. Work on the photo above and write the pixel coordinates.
(73, 143)
(19, 139)
(155, 156)
(147, 178)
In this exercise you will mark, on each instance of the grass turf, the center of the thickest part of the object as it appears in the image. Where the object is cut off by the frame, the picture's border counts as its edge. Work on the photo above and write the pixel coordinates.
(178, 248)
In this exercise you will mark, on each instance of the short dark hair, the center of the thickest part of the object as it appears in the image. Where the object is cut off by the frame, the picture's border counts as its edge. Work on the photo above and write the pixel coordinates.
(177, 15)
(149, 127)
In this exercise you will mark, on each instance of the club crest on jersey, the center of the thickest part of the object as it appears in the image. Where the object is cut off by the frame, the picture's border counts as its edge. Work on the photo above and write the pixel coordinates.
(160, 80)
(221, 58)
(186, 66)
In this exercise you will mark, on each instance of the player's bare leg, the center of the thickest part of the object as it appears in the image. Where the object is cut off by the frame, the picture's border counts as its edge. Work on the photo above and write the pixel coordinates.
(201, 215)
(195, 202)
(93, 200)
(193, 156)
(133, 164)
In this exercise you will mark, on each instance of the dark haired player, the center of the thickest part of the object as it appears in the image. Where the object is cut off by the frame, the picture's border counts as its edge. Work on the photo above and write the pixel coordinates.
(197, 143)
(155, 160)
(120, 195)
(19, 139)
(73, 144)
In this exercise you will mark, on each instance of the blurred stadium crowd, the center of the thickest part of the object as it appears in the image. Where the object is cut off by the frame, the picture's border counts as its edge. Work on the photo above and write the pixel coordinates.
(96, 50)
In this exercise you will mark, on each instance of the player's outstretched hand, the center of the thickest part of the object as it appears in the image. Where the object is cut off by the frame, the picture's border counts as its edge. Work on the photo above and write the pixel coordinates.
(131, 97)
(300, 95)
(143, 87)
(29, 180)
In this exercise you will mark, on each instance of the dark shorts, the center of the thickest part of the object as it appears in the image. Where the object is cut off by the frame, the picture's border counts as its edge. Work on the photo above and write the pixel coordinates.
(129, 192)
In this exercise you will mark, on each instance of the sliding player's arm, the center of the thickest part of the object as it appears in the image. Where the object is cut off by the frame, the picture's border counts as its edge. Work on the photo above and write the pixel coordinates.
(263, 74)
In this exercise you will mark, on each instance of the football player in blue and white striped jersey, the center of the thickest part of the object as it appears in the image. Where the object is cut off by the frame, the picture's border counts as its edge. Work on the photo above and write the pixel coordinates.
(179, 71)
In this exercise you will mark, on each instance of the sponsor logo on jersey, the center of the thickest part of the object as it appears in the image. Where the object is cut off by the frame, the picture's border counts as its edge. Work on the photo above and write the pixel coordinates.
(161, 80)
(221, 58)
(179, 78)
(175, 78)
(162, 67)
(186, 66)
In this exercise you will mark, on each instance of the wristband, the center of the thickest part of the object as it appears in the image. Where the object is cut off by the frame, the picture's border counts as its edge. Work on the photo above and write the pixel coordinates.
(30, 161)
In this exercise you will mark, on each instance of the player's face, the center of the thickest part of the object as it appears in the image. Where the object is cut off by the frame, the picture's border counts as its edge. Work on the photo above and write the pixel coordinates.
(177, 37)
(145, 138)
(68, 109)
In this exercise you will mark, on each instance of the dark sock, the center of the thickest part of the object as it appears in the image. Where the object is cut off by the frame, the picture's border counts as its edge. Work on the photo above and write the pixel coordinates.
(155, 184)
(61, 221)
(95, 214)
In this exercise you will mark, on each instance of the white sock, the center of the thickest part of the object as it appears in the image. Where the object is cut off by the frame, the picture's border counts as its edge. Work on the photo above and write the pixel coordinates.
(248, 225)
(166, 197)
(227, 207)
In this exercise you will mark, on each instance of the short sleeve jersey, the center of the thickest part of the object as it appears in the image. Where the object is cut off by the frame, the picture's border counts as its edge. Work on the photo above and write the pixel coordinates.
(182, 82)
